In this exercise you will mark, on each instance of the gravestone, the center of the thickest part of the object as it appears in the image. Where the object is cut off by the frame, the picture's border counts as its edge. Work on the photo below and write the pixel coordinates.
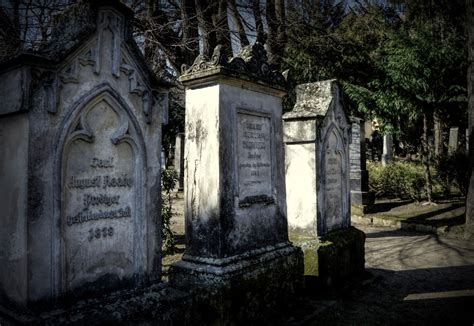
(387, 153)
(80, 133)
(317, 134)
(235, 204)
(360, 195)
(453, 140)
(179, 160)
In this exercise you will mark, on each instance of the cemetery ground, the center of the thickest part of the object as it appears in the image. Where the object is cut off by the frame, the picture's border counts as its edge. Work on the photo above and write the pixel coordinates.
(411, 277)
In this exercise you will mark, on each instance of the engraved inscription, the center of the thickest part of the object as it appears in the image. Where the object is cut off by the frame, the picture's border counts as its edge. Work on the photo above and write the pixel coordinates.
(333, 185)
(254, 158)
(99, 201)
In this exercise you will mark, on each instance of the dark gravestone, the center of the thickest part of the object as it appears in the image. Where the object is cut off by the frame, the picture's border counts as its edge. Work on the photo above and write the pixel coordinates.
(359, 175)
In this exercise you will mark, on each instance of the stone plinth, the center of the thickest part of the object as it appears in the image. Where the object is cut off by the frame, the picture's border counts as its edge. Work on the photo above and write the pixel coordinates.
(317, 137)
(79, 167)
(235, 203)
(360, 195)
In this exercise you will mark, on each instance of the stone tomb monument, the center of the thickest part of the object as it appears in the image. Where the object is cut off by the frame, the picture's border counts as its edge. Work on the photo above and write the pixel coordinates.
(317, 136)
(361, 197)
(80, 133)
(235, 203)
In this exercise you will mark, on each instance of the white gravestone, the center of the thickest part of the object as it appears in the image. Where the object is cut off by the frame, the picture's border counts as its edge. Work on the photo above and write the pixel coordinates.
(317, 136)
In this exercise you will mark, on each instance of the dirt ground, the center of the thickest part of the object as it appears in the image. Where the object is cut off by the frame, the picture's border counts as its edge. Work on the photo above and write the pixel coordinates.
(412, 279)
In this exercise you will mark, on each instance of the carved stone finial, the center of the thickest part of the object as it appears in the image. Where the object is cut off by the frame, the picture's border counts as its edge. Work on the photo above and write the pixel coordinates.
(250, 63)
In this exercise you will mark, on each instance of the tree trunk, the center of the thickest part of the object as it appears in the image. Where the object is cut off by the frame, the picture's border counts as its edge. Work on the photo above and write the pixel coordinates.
(190, 43)
(426, 158)
(276, 32)
(206, 9)
(258, 21)
(470, 87)
(221, 25)
(238, 24)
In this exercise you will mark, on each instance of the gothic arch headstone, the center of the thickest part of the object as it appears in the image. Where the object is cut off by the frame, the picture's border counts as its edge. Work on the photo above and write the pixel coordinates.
(80, 132)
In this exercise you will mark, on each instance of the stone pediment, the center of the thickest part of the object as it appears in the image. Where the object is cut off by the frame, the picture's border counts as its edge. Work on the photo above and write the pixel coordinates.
(91, 43)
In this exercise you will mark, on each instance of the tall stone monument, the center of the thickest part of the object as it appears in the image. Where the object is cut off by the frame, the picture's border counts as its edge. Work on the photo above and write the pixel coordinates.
(387, 153)
(361, 197)
(235, 204)
(317, 134)
(80, 139)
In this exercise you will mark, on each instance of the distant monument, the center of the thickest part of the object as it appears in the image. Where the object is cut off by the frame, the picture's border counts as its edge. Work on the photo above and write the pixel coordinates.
(235, 203)
(80, 133)
(317, 137)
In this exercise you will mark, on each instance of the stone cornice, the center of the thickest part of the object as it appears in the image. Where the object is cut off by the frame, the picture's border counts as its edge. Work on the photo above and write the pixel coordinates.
(249, 64)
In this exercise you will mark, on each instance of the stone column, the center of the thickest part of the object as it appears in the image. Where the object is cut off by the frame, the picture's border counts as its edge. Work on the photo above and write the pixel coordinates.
(317, 137)
(179, 160)
(387, 155)
(359, 175)
(453, 140)
(235, 203)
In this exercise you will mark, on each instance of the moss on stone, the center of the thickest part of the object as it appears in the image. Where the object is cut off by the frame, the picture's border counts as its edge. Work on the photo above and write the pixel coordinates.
(337, 255)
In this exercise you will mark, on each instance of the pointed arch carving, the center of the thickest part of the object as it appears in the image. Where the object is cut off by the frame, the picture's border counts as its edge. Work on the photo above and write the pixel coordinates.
(100, 164)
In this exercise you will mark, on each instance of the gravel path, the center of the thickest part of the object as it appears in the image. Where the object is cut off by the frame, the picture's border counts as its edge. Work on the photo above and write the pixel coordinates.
(417, 279)
(412, 279)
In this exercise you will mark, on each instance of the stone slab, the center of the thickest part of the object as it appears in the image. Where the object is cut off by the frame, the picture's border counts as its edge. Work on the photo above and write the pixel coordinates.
(243, 291)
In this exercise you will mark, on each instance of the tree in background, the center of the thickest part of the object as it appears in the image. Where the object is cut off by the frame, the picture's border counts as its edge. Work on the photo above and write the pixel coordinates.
(470, 80)
(174, 33)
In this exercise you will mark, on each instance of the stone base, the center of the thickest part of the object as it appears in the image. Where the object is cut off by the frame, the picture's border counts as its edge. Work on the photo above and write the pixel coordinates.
(157, 304)
(240, 289)
(362, 197)
(335, 257)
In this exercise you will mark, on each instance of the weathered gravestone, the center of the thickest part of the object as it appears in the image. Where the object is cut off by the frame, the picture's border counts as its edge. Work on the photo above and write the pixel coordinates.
(80, 133)
(361, 197)
(235, 205)
(317, 136)
(179, 159)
